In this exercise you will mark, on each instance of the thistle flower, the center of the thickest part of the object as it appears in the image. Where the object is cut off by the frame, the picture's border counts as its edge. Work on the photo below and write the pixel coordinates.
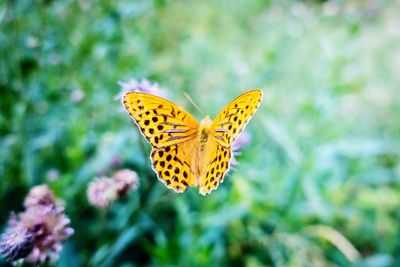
(77, 95)
(39, 195)
(16, 243)
(102, 192)
(243, 140)
(50, 227)
(116, 162)
(37, 234)
(125, 180)
(52, 175)
(143, 86)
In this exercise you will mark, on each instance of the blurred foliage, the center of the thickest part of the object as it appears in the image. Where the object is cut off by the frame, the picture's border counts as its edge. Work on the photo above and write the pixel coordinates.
(318, 186)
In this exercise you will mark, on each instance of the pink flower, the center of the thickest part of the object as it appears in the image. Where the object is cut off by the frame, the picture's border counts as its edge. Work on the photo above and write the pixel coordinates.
(102, 192)
(50, 227)
(38, 233)
(116, 162)
(52, 175)
(243, 140)
(77, 95)
(39, 195)
(125, 180)
(16, 243)
(143, 86)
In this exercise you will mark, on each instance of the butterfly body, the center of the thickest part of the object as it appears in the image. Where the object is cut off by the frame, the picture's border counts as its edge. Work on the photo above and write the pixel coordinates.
(202, 146)
(187, 153)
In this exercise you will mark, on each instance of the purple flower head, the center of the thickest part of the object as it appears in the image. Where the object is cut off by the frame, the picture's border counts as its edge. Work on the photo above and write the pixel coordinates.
(242, 141)
(125, 180)
(38, 233)
(116, 162)
(16, 243)
(143, 86)
(102, 192)
(52, 175)
(39, 195)
(77, 95)
(50, 227)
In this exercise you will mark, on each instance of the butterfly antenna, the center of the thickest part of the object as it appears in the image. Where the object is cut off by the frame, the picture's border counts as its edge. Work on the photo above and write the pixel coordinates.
(193, 103)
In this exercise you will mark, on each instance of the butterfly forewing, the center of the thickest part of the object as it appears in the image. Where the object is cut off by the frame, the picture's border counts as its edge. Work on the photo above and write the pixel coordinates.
(233, 118)
(162, 123)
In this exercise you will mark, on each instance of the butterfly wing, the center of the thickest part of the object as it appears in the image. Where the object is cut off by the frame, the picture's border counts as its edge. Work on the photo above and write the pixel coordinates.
(231, 121)
(171, 164)
(171, 131)
(227, 126)
(218, 165)
(162, 122)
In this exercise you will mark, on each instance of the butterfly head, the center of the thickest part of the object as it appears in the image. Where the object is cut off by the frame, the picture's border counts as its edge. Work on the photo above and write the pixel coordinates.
(204, 129)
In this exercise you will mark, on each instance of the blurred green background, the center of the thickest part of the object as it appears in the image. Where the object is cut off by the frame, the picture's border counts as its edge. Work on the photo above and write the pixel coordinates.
(319, 185)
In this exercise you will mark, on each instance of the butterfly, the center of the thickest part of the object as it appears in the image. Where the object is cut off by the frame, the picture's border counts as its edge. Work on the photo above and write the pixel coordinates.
(185, 152)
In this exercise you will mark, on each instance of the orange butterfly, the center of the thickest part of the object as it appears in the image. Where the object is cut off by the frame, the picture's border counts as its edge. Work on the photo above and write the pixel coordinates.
(186, 153)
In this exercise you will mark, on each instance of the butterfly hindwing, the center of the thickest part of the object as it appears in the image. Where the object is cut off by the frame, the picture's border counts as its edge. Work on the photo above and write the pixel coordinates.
(163, 123)
(172, 167)
(231, 121)
(218, 165)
